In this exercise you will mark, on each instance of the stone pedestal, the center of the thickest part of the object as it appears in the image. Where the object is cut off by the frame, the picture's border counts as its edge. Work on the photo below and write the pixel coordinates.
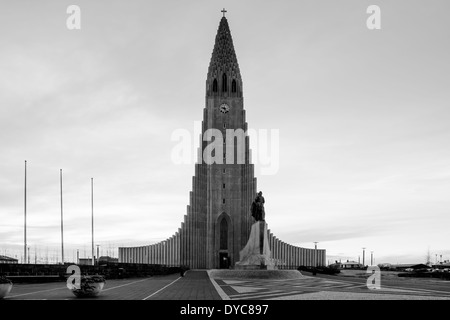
(256, 253)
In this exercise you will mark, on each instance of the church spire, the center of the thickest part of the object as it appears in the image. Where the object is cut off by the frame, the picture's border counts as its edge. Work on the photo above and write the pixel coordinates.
(224, 76)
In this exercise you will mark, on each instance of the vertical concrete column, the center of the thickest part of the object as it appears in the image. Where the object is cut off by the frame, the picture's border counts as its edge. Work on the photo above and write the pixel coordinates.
(277, 250)
(138, 255)
(135, 255)
(286, 254)
(274, 248)
(271, 244)
(289, 247)
(170, 252)
(175, 250)
(281, 255)
(165, 246)
(189, 243)
(167, 251)
(303, 257)
(183, 242)
(136, 252)
(152, 254)
(150, 260)
(294, 257)
(178, 249)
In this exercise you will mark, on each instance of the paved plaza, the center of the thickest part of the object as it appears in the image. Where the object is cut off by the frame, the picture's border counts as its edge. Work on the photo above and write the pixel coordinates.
(196, 285)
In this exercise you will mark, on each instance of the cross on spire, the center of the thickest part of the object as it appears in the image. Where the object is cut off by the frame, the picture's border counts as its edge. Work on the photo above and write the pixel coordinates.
(223, 11)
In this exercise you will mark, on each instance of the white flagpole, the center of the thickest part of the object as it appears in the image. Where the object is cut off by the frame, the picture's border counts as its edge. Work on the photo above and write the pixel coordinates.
(62, 225)
(25, 217)
(92, 218)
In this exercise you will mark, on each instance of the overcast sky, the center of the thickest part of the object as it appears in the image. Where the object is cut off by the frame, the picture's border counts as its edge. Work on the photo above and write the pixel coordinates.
(363, 118)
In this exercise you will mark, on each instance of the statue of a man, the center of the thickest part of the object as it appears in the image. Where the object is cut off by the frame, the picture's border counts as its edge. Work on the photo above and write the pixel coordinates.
(258, 208)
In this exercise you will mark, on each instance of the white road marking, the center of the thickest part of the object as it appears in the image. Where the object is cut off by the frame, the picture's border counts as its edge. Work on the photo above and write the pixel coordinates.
(26, 294)
(123, 285)
(219, 290)
(162, 288)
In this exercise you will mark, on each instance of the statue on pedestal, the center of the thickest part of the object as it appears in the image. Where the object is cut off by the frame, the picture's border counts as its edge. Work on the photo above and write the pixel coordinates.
(257, 208)
(256, 253)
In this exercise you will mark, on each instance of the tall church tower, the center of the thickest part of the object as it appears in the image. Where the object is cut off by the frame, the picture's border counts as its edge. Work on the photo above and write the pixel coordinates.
(230, 186)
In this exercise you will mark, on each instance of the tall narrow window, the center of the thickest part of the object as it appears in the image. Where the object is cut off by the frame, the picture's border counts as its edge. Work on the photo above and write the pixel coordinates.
(215, 85)
(223, 185)
(233, 86)
(223, 201)
(223, 234)
(224, 82)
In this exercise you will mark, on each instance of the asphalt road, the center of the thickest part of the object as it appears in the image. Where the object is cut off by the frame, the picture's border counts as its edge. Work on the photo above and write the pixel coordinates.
(196, 285)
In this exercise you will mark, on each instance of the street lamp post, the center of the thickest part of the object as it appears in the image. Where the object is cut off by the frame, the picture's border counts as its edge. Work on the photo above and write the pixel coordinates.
(315, 257)
(364, 256)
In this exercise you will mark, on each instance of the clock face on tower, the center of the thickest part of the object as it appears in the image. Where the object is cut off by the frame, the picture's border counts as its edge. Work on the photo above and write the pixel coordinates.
(224, 108)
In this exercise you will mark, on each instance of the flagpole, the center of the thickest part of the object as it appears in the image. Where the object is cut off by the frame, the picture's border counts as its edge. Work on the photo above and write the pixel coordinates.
(62, 225)
(25, 216)
(92, 218)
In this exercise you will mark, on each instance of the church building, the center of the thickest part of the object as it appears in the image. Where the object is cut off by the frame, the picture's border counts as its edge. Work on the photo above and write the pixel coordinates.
(218, 220)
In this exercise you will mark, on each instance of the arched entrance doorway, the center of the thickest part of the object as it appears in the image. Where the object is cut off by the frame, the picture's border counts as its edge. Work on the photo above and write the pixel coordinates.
(224, 241)
(224, 262)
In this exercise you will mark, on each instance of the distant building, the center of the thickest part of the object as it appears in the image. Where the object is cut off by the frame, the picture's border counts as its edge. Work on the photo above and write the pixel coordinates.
(5, 259)
(402, 267)
(346, 265)
(85, 262)
(444, 265)
(107, 259)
